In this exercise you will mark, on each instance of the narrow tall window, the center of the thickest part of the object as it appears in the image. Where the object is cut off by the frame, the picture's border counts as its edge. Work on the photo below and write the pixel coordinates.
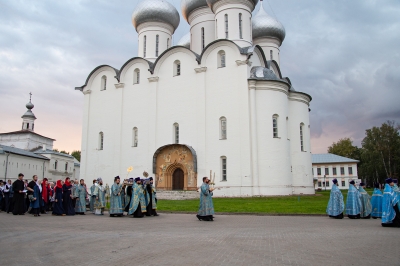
(202, 38)
(275, 126)
(334, 170)
(157, 41)
(55, 165)
(144, 46)
(27, 125)
(66, 167)
(177, 68)
(301, 137)
(216, 29)
(33, 126)
(223, 168)
(350, 170)
(271, 54)
(240, 26)
(326, 171)
(226, 26)
(222, 124)
(136, 76)
(167, 43)
(221, 59)
(176, 133)
(135, 137)
(318, 171)
(103, 83)
(342, 170)
(101, 140)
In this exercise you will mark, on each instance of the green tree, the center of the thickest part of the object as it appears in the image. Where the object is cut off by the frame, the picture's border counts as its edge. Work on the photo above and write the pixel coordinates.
(344, 147)
(77, 155)
(65, 152)
(381, 152)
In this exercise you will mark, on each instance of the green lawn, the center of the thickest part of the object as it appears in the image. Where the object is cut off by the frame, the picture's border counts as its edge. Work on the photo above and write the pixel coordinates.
(274, 205)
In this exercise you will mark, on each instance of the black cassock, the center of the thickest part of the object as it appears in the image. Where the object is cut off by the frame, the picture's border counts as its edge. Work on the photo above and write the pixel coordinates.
(18, 198)
(67, 200)
(129, 190)
(149, 209)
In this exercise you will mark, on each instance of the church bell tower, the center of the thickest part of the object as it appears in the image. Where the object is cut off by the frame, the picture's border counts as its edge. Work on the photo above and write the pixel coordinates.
(28, 119)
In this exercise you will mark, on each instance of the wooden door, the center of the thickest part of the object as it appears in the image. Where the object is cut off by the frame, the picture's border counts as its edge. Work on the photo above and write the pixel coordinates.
(177, 179)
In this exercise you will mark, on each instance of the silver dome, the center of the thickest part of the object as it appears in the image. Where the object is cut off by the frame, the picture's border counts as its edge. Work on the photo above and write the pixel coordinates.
(29, 106)
(212, 2)
(155, 11)
(185, 41)
(188, 6)
(266, 26)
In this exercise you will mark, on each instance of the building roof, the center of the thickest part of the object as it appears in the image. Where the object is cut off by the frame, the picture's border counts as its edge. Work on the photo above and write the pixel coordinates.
(22, 152)
(40, 150)
(331, 158)
(24, 132)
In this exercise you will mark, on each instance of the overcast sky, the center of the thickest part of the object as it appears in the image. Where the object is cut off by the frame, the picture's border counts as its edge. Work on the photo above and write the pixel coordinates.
(345, 54)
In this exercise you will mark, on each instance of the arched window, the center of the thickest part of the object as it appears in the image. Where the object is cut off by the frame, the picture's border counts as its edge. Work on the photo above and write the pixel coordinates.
(55, 165)
(221, 59)
(167, 43)
(144, 46)
(216, 29)
(27, 125)
(177, 68)
(103, 83)
(271, 54)
(223, 168)
(275, 126)
(135, 137)
(101, 140)
(136, 76)
(222, 126)
(226, 26)
(157, 42)
(66, 167)
(301, 137)
(176, 133)
(240, 26)
(202, 39)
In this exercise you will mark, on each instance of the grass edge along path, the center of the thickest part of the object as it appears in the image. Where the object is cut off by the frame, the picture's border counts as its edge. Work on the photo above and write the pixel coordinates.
(280, 205)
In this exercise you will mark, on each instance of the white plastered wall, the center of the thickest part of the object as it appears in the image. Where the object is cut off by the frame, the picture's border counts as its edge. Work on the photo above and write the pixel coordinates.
(198, 19)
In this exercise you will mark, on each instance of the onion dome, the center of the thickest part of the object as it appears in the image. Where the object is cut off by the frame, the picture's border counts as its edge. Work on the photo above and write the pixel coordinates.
(266, 26)
(187, 6)
(212, 2)
(155, 11)
(28, 113)
(185, 41)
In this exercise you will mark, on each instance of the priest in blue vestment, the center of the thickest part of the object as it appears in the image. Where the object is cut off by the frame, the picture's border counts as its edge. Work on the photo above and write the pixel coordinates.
(137, 204)
(336, 204)
(206, 207)
(99, 192)
(353, 202)
(80, 195)
(390, 210)
(151, 198)
(376, 202)
(366, 207)
(396, 190)
(115, 198)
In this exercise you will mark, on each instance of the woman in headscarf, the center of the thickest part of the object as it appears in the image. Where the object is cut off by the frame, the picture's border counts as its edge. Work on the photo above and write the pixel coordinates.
(45, 196)
(58, 199)
(67, 197)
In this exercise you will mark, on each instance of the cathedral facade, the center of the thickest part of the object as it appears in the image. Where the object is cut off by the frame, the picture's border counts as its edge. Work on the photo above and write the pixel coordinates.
(216, 102)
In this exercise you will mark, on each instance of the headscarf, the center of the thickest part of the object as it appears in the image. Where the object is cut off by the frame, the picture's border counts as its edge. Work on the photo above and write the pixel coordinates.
(58, 184)
(44, 190)
(67, 181)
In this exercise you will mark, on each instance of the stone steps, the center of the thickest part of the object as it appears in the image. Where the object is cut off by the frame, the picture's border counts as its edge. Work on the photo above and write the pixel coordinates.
(177, 195)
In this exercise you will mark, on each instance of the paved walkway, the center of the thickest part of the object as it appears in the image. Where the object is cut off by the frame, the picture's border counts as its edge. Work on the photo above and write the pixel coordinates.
(180, 239)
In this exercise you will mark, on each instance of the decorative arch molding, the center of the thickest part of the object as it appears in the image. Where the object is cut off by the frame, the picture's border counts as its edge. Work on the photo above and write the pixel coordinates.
(218, 45)
(170, 157)
(175, 49)
(94, 73)
(129, 63)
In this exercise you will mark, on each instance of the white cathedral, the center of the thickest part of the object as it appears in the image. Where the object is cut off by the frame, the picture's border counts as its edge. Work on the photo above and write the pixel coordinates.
(216, 101)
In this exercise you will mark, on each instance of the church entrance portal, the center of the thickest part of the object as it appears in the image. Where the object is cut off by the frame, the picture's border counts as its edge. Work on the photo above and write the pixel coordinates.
(175, 167)
(177, 179)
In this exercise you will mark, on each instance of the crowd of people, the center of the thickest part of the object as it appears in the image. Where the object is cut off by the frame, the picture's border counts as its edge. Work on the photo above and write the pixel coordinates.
(136, 196)
(360, 205)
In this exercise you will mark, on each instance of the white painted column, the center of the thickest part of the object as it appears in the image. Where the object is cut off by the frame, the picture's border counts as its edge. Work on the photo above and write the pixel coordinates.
(253, 130)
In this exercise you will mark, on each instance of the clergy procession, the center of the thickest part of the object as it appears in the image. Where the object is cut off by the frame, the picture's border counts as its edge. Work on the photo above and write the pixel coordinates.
(135, 196)
(359, 205)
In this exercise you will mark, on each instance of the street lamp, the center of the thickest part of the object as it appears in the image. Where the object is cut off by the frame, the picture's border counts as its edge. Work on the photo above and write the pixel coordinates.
(325, 181)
